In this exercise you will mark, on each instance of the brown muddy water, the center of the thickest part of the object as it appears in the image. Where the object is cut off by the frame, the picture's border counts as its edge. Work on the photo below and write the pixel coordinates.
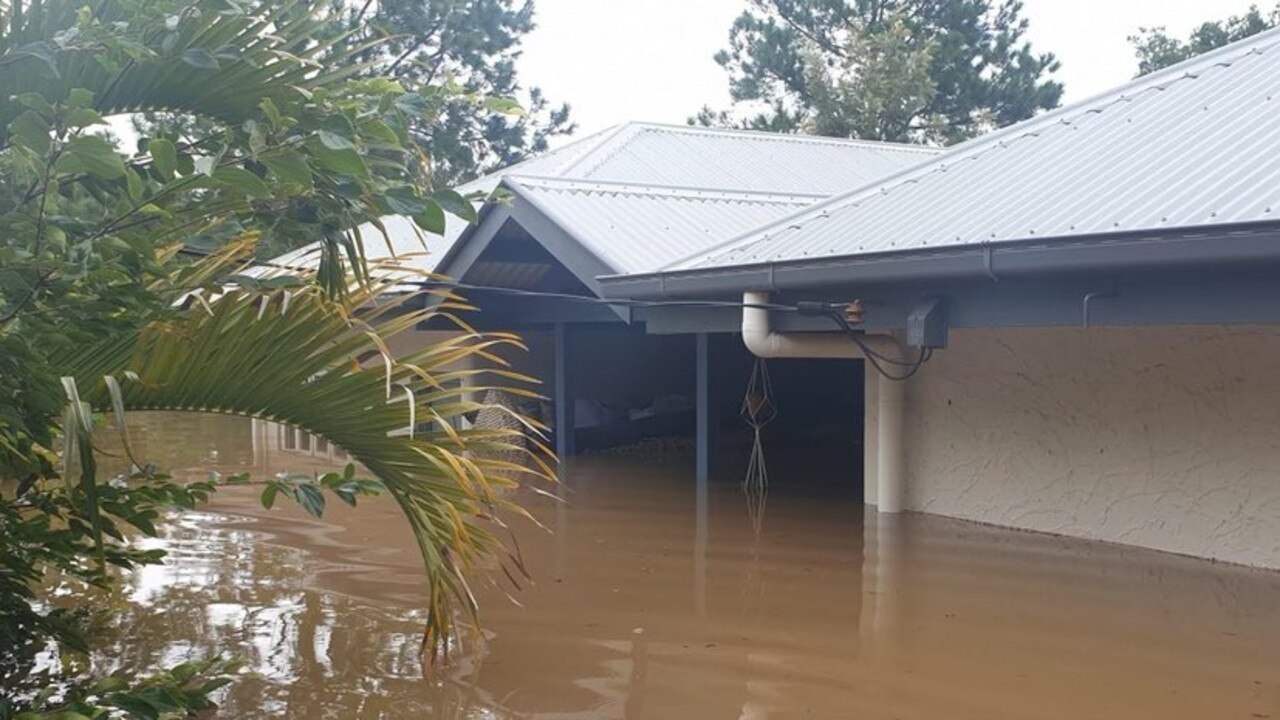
(651, 602)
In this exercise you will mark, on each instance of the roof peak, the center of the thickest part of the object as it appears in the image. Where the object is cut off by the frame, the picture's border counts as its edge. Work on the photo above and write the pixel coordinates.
(691, 192)
(767, 135)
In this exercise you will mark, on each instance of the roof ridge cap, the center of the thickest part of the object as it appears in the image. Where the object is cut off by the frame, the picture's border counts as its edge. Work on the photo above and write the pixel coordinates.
(769, 135)
(609, 146)
(660, 188)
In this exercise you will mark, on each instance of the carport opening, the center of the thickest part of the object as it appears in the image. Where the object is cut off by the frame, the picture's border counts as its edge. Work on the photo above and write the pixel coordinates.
(629, 387)
(635, 394)
(815, 444)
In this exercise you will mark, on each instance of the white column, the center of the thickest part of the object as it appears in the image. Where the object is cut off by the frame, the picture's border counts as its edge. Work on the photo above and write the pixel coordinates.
(890, 455)
(870, 435)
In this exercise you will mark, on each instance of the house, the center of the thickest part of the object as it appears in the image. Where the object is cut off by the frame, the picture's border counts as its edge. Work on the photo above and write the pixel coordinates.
(632, 200)
(1087, 303)
(1102, 287)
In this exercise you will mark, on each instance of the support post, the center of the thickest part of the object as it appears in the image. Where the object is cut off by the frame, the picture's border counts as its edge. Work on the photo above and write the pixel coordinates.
(870, 435)
(564, 394)
(891, 454)
(703, 401)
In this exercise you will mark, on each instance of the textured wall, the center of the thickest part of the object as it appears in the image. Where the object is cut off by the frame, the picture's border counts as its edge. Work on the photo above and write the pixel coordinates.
(1167, 438)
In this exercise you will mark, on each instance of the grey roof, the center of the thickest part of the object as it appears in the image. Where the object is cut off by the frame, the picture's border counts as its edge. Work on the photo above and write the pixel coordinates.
(740, 160)
(1193, 146)
(636, 228)
(708, 185)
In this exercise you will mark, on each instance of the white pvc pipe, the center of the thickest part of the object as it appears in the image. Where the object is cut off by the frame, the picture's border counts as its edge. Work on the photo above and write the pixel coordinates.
(763, 342)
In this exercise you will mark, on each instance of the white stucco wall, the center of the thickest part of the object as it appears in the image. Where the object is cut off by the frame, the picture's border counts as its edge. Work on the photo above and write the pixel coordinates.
(1167, 438)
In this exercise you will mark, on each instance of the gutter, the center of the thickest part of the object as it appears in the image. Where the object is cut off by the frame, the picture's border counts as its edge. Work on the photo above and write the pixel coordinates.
(1224, 245)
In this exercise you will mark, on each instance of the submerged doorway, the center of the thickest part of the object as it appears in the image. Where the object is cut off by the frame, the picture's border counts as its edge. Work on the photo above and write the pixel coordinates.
(814, 445)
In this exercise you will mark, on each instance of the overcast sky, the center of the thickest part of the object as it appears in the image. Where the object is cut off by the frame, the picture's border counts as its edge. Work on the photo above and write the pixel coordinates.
(620, 60)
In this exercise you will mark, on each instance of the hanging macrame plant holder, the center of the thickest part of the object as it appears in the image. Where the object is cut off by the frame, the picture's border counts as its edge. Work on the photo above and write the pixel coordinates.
(758, 410)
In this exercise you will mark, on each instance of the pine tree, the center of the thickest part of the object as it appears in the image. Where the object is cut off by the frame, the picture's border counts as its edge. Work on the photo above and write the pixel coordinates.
(1156, 49)
(475, 44)
(899, 70)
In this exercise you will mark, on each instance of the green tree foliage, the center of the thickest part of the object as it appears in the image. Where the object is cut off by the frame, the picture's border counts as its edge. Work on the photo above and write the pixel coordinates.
(897, 70)
(1156, 49)
(473, 44)
(101, 313)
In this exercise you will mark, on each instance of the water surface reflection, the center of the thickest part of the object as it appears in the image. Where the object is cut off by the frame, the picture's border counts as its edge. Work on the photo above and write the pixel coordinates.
(653, 600)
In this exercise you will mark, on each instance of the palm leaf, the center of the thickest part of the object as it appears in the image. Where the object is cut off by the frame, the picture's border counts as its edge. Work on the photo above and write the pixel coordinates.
(294, 357)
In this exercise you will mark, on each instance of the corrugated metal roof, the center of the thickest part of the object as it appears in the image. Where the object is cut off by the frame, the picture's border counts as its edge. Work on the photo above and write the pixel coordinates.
(1196, 145)
(637, 228)
(742, 160)
(694, 159)
(403, 238)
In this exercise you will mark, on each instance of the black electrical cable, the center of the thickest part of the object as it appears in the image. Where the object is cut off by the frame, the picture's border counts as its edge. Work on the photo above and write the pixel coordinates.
(451, 285)
(833, 311)
(877, 359)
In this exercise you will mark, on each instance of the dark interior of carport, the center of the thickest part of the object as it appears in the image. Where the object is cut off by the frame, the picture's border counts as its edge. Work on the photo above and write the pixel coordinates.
(625, 390)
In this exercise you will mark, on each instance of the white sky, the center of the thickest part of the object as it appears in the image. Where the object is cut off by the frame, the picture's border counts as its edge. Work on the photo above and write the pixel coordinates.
(620, 60)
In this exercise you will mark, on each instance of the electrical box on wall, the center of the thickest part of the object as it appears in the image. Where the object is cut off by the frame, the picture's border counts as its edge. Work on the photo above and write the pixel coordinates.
(927, 324)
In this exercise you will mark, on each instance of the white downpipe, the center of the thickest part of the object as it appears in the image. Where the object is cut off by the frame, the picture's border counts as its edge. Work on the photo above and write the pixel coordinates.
(763, 342)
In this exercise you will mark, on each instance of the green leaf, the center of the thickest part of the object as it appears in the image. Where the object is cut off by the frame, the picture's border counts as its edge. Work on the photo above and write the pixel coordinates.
(80, 117)
(109, 684)
(403, 201)
(312, 499)
(269, 495)
(377, 131)
(432, 219)
(133, 184)
(94, 155)
(165, 156)
(342, 162)
(242, 180)
(80, 98)
(35, 101)
(271, 111)
(31, 131)
(412, 104)
(334, 141)
(200, 58)
(135, 706)
(183, 672)
(55, 237)
(455, 204)
(289, 166)
(504, 105)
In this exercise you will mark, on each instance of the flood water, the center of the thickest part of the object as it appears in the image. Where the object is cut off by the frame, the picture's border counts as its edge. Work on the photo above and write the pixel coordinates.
(652, 601)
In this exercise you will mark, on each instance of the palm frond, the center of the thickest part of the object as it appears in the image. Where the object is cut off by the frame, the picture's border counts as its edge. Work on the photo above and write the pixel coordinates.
(298, 357)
